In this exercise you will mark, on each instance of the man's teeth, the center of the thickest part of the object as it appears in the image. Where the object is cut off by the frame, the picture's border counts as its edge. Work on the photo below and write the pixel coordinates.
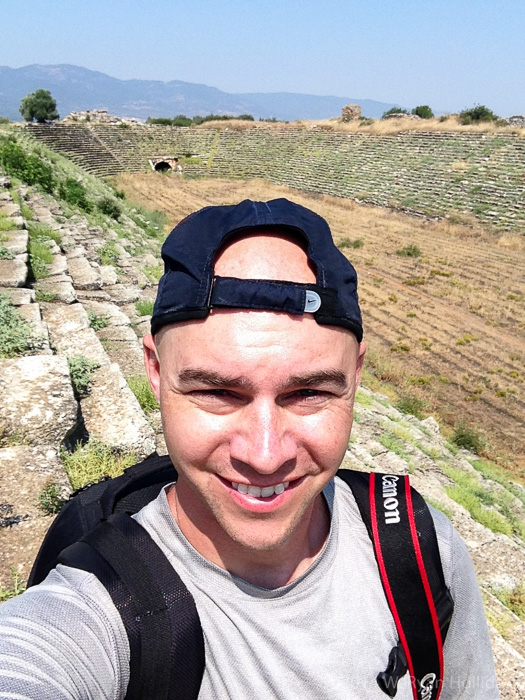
(259, 492)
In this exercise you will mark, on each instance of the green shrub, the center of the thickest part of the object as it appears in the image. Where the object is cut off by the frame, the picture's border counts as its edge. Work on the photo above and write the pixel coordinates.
(513, 599)
(80, 369)
(181, 120)
(108, 253)
(15, 331)
(43, 233)
(139, 385)
(144, 307)
(109, 207)
(349, 243)
(49, 500)
(6, 253)
(39, 257)
(43, 295)
(468, 438)
(29, 168)
(477, 114)
(74, 192)
(4, 120)
(409, 251)
(413, 405)
(423, 111)
(89, 463)
(97, 322)
(394, 110)
(6, 223)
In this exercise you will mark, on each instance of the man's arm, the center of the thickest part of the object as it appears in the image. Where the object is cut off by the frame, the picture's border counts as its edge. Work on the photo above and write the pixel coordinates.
(469, 663)
(63, 639)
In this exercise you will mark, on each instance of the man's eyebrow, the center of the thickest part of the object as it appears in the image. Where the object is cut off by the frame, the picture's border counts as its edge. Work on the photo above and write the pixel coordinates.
(330, 376)
(212, 378)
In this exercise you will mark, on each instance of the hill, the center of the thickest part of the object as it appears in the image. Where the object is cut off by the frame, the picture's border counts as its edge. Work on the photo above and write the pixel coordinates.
(77, 89)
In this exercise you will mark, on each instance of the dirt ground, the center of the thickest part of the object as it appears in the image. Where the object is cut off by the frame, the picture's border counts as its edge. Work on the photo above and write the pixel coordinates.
(451, 319)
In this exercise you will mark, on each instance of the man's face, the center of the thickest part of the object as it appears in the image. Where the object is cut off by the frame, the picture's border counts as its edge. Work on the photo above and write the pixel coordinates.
(257, 412)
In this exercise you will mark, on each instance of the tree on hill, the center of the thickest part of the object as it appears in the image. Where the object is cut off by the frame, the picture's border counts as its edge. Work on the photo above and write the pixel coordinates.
(423, 111)
(477, 114)
(39, 106)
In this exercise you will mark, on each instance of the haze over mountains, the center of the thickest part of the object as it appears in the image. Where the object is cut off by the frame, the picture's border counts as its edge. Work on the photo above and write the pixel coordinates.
(77, 89)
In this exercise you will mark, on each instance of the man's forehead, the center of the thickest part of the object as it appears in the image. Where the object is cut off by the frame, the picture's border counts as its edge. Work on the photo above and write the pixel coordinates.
(265, 254)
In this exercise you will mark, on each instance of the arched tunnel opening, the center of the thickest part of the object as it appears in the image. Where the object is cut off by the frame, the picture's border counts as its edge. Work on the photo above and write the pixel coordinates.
(162, 166)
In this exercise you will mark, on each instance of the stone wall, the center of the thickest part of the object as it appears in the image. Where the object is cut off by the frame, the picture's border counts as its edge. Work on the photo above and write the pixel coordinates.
(432, 173)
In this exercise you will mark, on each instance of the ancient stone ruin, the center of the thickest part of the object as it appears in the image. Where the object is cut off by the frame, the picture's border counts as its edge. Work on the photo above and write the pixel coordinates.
(350, 113)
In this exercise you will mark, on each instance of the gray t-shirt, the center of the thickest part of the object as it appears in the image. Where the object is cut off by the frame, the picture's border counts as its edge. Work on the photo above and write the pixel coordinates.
(325, 636)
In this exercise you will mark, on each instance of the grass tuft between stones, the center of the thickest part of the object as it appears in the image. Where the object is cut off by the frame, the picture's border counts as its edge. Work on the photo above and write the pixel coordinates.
(15, 331)
(80, 369)
(91, 462)
(139, 385)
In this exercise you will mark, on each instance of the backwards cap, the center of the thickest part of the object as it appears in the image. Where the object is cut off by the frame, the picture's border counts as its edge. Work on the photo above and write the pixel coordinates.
(189, 288)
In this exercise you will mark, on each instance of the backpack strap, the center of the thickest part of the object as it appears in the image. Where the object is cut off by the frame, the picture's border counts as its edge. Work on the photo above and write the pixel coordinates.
(407, 554)
(158, 612)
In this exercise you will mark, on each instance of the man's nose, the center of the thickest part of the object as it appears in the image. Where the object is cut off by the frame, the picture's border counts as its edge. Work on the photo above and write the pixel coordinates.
(263, 438)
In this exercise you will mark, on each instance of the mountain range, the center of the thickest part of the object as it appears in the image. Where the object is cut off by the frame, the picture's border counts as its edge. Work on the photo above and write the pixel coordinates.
(77, 89)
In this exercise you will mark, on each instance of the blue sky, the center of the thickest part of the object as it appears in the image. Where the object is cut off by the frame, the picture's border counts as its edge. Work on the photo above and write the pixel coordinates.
(450, 54)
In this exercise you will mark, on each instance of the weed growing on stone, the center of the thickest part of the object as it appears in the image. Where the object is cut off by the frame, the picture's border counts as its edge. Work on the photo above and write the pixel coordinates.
(153, 272)
(17, 586)
(40, 257)
(362, 398)
(15, 331)
(80, 369)
(43, 233)
(90, 462)
(6, 253)
(144, 307)
(108, 253)
(49, 500)
(97, 322)
(6, 223)
(513, 599)
(394, 444)
(476, 499)
(139, 385)
(42, 295)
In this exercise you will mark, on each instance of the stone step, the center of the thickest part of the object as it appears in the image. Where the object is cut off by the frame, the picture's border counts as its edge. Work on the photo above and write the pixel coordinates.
(39, 336)
(17, 241)
(25, 472)
(37, 405)
(110, 411)
(60, 286)
(13, 273)
(84, 275)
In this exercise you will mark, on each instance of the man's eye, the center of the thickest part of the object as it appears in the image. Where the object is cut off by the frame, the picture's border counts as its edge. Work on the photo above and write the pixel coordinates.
(308, 393)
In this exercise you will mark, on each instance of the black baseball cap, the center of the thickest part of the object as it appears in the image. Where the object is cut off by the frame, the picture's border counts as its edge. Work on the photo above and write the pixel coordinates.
(189, 289)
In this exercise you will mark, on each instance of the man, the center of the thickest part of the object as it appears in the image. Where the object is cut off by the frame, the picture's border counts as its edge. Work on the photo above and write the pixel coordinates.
(255, 358)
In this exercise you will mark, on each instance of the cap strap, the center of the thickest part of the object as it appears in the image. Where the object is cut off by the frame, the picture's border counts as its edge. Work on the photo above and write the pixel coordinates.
(271, 295)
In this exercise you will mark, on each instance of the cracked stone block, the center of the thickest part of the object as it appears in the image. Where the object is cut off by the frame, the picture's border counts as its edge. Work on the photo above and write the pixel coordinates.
(13, 273)
(113, 314)
(92, 294)
(16, 241)
(11, 209)
(37, 404)
(143, 326)
(62, 288)
(108, 274)
(123, 294)
(19, 296)
(113, 415)
(39, 334)
(58, 266)
(69, 333)
(24, 473)
(78, 251)
(83, 274)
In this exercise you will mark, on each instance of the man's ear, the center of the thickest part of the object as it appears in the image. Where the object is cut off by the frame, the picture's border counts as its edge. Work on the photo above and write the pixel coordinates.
(360, 360)
(151, 363)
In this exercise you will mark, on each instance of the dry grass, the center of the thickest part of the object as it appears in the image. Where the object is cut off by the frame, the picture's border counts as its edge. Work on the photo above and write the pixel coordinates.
(471, 291)
(378, 126)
